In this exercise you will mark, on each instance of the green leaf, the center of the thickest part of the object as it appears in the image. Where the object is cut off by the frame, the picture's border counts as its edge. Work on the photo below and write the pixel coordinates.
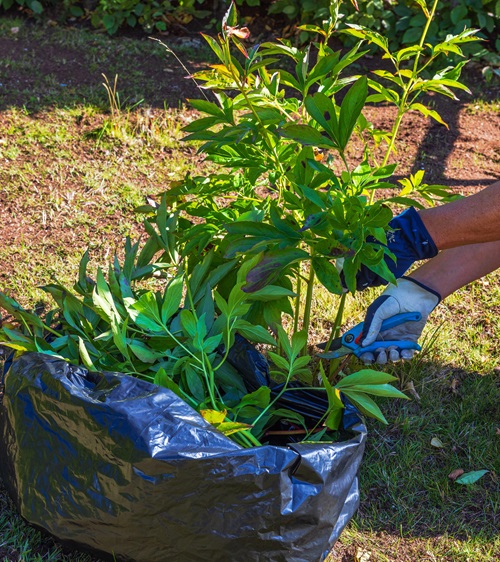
(313, 196)
(380, 390)
(214, 45)
(162, 379)
(320, 107)
(200, 271)
(212, 343)
(271, 266)
(335, 404)
(194, 382)
(428, 113)
(228, 377)
(144, 353)
(172, 298)
(207, 107)
(270, 293)
(458, 13)
(289, 415)
(470, 477)
(230, 18)
(84, 354)
(119, 333)
(260, 398)
(365, 376)
(371, 36)
(327, 275)
(255, 334)
(306, 135)
(188, 323)
(298, 343)
(350, 109)
(147, 306)
(36, 6)
(365, 404)
(412, 35)
(82, 285)
(279, 361)
(250, 228)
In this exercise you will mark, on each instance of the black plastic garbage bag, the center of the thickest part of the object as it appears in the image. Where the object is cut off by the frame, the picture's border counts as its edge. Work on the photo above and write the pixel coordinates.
(110, 463)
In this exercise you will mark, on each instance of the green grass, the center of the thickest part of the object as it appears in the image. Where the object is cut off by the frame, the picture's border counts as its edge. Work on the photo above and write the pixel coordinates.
(72, 174)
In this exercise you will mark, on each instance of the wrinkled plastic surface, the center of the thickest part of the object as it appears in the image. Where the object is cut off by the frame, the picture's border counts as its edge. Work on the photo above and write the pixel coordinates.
(111, 463)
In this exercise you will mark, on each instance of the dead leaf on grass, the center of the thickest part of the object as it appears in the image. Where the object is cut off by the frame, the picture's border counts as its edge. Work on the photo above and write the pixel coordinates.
(436, 442)
(362, 555)
(498, 431)
(410, 387)
(454, 474)
(454, 384)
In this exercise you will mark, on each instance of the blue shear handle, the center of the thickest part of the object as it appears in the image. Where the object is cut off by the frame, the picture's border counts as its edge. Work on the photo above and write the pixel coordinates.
(376, 345)
(394, 321)
(387, 325)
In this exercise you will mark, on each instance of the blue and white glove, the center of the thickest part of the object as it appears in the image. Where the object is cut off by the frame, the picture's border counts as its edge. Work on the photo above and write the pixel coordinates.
(409, 242)
(408, 295)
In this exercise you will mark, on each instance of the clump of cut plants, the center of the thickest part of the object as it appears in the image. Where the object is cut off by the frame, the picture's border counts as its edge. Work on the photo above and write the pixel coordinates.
(238, 252)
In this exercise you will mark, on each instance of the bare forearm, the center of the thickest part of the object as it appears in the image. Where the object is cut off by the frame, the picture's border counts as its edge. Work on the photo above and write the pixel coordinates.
(455, 267)
(472, 220)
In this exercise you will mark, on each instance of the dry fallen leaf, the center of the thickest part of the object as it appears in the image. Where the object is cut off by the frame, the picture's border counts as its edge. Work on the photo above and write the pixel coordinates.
(410, 387)
(454, 384)
(362, 555)
(498, 431)
(454, 474)
(435, 442)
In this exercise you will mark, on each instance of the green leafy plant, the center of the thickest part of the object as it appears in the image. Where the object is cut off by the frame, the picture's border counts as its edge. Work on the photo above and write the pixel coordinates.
(293, 210)
(159, 314)
(234, 251)
(317, 206)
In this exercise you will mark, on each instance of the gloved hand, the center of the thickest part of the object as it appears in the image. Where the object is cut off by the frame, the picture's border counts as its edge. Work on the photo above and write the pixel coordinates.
(409, 242)
(408, 295)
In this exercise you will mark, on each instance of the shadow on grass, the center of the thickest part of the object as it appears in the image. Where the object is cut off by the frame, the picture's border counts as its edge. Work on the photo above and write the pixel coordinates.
(453, 424)
(43, 66)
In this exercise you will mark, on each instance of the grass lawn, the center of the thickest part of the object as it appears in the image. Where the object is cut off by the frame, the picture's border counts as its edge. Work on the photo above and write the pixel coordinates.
(71, 173)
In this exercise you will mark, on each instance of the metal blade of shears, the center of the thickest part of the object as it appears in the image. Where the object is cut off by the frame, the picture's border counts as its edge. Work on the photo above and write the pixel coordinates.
(335, 349)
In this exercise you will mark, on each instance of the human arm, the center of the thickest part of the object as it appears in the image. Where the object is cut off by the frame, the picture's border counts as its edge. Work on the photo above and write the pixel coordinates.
(471, 220)
(456, 267)
(422, 291)
(420, 235)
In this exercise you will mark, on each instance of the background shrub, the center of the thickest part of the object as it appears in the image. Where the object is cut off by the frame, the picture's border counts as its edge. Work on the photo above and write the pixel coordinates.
(401, 21)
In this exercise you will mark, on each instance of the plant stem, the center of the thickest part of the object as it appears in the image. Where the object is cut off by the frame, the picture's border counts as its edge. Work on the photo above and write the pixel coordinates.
(297, 304)
(402, 107)
(308, 303)
(332, 368)
(422, 39)
(265, 132)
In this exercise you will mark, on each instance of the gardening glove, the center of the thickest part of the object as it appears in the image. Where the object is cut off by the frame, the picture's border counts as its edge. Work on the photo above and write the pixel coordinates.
(408, 295)
(409, 242)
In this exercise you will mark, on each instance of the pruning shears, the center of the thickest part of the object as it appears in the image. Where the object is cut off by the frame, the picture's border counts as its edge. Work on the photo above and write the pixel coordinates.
(350, 342)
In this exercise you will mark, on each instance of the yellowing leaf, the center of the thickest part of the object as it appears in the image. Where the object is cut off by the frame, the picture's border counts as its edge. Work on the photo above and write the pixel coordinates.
(213, 416)
(228, 428)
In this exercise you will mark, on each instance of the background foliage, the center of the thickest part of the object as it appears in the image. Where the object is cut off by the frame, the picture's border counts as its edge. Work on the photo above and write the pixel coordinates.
(400, 21)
